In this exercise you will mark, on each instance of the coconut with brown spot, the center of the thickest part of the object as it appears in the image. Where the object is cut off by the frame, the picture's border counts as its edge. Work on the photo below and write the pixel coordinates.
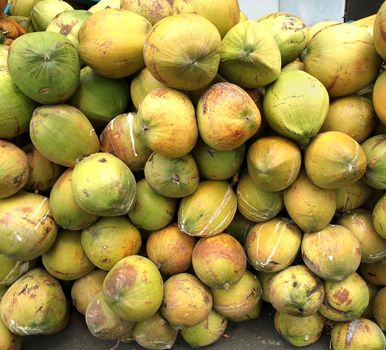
(152, 10)
(44, 12)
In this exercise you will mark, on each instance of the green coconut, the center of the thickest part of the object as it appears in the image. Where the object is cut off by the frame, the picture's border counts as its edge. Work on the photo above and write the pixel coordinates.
(345, 300)
(219, 261)
(217, 165)
(27, 228)
(14, 169)
(209, 210)
(353, 196)
(133, 288)
(44, 12)
(311, 207)
(68, 24)
(265, 280)
(48, 73)
(296, 291)
(206, 332)
(43, 173)
(250, 56)
(101, 99)
(357, 334)
(151, 211)
(8, 340)
(290, 33)
(333, 253)
(15, 107)
(64, 209)
(352, 115)
(379, 30)
(273, 163)
(109, 240)
(119, 138)
(187, 301)
(299, 331)
(239, 227)
(49, 130)
(273, 245)
(375, 272)
(379, 217)
(84, 289)
(34, 304)
(66, 259)
(326, 58)
(296, 116)
(167, 123)
(11, 270)
(242, 301)
(102, 195)
(375, 150)
(379, 308)
(155, 333)
(227, 116)
(334, 159)
(186, 59)
(257, 204)
(21, 8)
(172, 177)
(152, 10)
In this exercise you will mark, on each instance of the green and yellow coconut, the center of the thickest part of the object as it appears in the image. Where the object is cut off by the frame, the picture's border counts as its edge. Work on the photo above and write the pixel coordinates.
(152, 10)
(105, 4)
(375, 272)
(45, 11)
(8, 340)
(239, 227)
(379, 217)
(318, 27)
(379, 31)
(353, 196)
(379, 309)
(378, 97)
(294, 65)
(265, 280)
(11, 270)
(373, 290)
(21, 8)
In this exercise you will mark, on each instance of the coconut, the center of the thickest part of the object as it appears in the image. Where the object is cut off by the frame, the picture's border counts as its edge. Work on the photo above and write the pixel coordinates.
(68, 24)
(296, 291)
(357, 334)
(206, 332)
(119, 139)
(101, 99)
(273, 163)
(326, 54)
(103, 322)
(334, 159)
(14, 169)
(172, 177)
(359, 222)
(294, 65)
(217, 165)
(11, 270)
(219, 261)
(21, 8)
(167, 123)
(379, 217)
(15, 107)
(243, 17)
(290, 33)
(299, 331)
(100, 195)
(373, 289)
(265, 280)
(8, 340)
(375, 272)
(273, 245)
(311, 207)
(250, 56)
(378, 96)
(49, 130)
(24, 21)
(308, 107)
(375, 150)
(333, 253)
(345, 300)
(20, 304)
(141, 85)
(64, 209)
(179, 59)
(103, 47)
(155, 333)
(239, 227)
(43, 173)
(223, 14)
(353, 196)
(352, 115)
(84, 289)
(4, 50)
(161, 248)
(227, 116)
(105, 4)
(318, 27)
(151, 211)
(152, 10)
(133, 288)
(379, 31)
(109, 240)
(255, 203)
(186, 302)
(28, 230)
(43, 12)
(209, 210)
(379, 309)
(242, 301)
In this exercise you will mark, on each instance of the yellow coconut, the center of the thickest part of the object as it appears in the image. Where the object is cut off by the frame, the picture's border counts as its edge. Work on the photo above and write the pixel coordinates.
(319, 26)
(294, 65)
(105, 4)
(375, 272)
(152, 10)
(106, 50)
(243, 17)
(353, 196)
(379, 31)
(379, 97)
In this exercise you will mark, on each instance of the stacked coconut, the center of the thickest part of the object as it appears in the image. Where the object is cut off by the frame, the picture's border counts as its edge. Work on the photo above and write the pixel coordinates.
(181, 164)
